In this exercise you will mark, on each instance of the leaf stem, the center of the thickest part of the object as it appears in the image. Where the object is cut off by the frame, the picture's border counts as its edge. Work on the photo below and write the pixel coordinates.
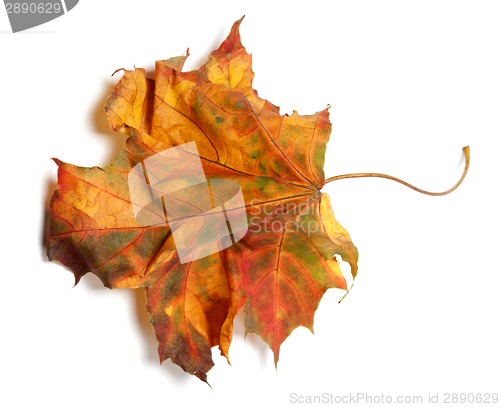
(466, 151)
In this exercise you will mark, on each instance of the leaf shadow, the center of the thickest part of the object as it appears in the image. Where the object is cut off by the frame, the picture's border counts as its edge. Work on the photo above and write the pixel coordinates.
(99, 123)
(199, 57)
(251, 339)
(50, 187)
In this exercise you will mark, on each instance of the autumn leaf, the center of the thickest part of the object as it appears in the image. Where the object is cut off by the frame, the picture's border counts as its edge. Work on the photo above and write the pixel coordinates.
(277, 272)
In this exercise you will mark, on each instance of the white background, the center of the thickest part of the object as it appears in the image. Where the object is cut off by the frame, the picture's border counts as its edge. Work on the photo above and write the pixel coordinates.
(409, 82)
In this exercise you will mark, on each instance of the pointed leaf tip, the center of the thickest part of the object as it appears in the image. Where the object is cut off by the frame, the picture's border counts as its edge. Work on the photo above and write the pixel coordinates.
(233, 41)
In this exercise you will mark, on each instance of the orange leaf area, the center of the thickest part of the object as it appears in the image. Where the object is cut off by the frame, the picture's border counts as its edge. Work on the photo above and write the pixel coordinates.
(277, 272)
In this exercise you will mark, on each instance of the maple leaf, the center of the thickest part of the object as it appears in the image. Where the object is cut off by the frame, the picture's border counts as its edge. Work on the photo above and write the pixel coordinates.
(277, 272)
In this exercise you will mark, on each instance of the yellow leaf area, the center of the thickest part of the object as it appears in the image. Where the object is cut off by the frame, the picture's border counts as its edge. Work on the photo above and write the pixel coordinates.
(277, 272)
